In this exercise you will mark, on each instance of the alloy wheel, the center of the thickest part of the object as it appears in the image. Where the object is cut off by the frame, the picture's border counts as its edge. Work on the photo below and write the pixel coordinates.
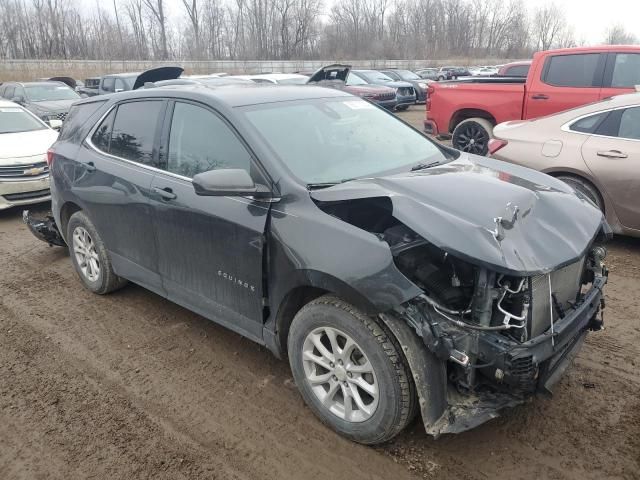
(86, 254)
(340, 374)
(473, 139)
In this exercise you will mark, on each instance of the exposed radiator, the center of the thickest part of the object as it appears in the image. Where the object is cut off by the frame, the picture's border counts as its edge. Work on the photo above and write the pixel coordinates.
(565, 284)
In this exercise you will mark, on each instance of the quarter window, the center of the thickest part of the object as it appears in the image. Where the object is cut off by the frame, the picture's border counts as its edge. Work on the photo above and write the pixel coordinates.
(588, 124)
(134, 130)
(200, 141)
(102, 136)
(572, 70)
(626, 71)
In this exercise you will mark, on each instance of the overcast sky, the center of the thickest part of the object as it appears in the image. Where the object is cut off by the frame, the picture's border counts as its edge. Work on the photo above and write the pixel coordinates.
(589, 18)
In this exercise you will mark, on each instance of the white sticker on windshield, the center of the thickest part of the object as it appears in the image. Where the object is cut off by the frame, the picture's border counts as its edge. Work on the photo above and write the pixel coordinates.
(358, 105)
(10, 110)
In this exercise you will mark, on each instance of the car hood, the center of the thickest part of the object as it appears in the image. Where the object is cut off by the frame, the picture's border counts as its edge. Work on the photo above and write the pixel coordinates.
(373, 89)
(457, 206)
(156, 75)
(17, 146)
(331, 72)
(55, 106)
(395, 84)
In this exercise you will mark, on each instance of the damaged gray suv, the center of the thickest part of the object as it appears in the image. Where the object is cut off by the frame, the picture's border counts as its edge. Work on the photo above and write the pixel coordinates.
(397, 275)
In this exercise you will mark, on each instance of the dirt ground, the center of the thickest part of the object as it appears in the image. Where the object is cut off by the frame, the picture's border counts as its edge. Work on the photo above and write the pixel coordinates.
(130, 385)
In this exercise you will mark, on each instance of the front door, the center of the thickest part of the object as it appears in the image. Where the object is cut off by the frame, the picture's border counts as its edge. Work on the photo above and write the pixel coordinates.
(615, 161)
(210, 248)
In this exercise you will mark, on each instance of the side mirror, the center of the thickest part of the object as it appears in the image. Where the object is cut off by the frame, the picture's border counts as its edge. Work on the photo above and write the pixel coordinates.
(19, 100)
(226, 182)
(55, 123)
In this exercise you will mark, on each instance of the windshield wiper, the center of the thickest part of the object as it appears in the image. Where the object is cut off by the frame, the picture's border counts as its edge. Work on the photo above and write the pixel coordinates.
(422, 166)
(312, 186)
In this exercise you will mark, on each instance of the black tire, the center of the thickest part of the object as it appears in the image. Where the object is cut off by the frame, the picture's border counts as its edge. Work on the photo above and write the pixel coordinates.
(472, 136)
(401, 108)
(585, 187)
(397, 399)
(105, 280)
(441, 78)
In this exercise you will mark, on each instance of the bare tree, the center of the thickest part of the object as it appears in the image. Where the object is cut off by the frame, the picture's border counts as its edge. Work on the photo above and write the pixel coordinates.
(548, 24)
(156, 9)
(618, 35)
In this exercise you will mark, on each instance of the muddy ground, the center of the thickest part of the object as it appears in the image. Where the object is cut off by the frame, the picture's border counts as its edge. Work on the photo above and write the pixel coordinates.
(130, 385)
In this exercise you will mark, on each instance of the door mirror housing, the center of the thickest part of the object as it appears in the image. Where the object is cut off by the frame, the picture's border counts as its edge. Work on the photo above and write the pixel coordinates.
(227, 182)
(55, 123)
(19, 100)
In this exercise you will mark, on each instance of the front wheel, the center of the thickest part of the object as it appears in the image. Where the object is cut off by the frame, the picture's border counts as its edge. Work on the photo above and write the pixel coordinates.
(472, 136)
(350, 371)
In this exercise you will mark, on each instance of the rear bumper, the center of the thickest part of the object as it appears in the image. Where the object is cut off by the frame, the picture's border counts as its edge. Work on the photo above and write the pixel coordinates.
(24, 192)
(405, 100)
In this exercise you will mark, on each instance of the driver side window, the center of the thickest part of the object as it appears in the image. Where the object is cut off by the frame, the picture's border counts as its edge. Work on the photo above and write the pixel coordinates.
(200, 141)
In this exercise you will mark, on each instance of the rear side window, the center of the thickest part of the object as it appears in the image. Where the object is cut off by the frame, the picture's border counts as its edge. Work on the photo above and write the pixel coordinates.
(78, 115)
(108, 84)
(588, 124)
(572, 70)
(201, 141)
(630, 124)
(134, 130)
(626, 70)
(102, 136)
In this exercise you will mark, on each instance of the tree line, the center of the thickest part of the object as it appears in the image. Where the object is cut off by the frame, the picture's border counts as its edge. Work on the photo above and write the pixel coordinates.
(283, 29)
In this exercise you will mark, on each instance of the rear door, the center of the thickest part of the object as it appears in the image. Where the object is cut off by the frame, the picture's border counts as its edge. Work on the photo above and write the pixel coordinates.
(613, 155)
(564, 82)
(622, 73)
(113, 182)
(210, 248)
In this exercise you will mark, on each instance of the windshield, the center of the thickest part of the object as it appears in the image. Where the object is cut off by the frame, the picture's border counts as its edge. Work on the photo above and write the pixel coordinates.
(332, 140)
(374, 76)
(55, 91)
(15, 119)
(407, 75)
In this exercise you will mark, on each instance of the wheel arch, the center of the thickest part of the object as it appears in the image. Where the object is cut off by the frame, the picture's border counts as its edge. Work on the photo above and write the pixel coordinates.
(565, 172)
(467, 113)
(68, 209)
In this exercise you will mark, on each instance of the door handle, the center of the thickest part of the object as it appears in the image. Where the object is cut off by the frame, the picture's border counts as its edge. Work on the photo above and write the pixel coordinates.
(89, 167)
(540, 96)
(612, 154)
(166, 193)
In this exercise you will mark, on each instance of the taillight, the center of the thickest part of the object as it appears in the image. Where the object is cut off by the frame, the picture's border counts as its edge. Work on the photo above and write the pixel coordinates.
(427, 100)
(496, 144)
(50, 157)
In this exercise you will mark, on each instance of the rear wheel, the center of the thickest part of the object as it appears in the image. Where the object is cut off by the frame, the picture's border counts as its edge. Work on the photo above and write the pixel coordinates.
(350, 371)
(585, 187)
(89, 256)
(473, 135)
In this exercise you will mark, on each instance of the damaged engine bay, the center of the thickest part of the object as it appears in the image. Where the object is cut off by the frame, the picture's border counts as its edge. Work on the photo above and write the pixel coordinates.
(502, 337)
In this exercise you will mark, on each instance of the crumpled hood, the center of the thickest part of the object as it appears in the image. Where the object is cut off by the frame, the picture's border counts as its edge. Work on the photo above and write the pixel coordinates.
(15, 147)
(455, 206)
(53, 106)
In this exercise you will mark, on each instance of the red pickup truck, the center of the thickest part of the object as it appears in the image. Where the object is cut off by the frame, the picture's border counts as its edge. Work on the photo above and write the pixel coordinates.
(468, 109)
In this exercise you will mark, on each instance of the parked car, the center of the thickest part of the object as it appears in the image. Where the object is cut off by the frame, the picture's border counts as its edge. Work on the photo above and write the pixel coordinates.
(338, 76)
(405, 93)
(24, 141)
(212, 81)
(277, 78)
(449, 73)
(515, 69)
(122, 82)
(428, 73)
(338, 236)
(595, 149)
(49, 101)
(557, 80)
(419, 84)
(90, 88)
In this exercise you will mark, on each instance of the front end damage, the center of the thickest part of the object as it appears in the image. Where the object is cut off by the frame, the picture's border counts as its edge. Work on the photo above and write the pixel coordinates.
(499, 338)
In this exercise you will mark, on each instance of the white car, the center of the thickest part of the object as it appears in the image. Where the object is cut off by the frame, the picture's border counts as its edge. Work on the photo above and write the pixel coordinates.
(24, 141)
(277, 78)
